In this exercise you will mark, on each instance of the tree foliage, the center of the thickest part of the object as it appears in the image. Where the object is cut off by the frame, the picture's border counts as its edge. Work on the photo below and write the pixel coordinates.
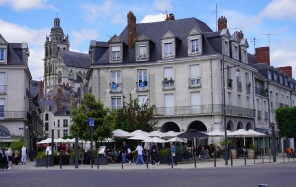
(104, 120)
(286, 121)
(133, 116)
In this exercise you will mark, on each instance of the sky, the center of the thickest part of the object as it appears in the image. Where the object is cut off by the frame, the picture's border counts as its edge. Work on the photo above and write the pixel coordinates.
(263, 22)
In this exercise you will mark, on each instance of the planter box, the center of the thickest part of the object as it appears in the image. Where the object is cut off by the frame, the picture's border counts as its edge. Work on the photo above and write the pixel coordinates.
(42, 162)
(163, 159)
(71, 161)
(179, 158)
(103, 160)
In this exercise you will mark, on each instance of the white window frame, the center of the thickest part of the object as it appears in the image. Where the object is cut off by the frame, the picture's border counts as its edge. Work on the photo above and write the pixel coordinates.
(116, 55)
(115, 77)
(142, 77)
(194, 46)
(195, 80)
(2, 107)
(65, 122)
(2, 82)
(142, 99)
(168, 49)
(142, 53)
(116, 102)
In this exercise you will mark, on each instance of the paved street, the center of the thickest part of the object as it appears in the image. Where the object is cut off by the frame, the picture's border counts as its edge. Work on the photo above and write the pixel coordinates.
(277, 174)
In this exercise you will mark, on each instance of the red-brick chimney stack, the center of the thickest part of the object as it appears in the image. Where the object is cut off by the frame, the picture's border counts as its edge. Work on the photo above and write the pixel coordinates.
(262, 55)
(222, 23)
(131, 28)
(287, 70)
(170, 17)
(240, 35)
(41, 89)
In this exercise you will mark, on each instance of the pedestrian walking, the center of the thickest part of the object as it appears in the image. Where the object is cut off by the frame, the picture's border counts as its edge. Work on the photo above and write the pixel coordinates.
(125, 151)
(173, 154)
(10, 156)
(140, 155)
(24, 155)
(153, 151)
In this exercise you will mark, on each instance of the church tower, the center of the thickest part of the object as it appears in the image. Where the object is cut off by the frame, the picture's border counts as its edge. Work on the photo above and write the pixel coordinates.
(55, 42)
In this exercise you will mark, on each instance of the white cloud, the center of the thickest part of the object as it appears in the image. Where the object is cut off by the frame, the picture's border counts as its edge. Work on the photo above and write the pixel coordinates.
(34, 37)
(84, 35)
(153, 18)
(280, 9)
(21, 5)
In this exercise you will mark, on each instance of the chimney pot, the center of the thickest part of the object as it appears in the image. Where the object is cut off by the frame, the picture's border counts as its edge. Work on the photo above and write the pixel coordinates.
(262, 55)
(222, 23)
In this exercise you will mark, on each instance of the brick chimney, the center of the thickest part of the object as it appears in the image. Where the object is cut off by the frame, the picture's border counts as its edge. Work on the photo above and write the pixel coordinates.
(222, 23)
(287, 70)
(41, 86)
(170, 17)
(131, 28)
(240, 35)
(262, 55)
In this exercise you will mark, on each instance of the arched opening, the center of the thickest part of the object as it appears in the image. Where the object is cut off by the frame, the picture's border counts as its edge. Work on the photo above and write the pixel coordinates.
(170, 126)
(59, 77)
(198, 125)
(230, 126)
(249, 126)
(4, 132)
(240, 125)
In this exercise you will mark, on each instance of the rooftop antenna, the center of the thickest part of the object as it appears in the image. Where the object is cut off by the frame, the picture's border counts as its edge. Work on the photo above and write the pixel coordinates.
(254, 40)
(268, 34)
(164, 12)
(216, 11)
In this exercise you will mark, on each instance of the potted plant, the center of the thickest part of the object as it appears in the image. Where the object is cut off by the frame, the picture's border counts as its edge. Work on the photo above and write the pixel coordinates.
(163, 155)
(165, 79)
(179, 156)
(252, 151)
(72, 158)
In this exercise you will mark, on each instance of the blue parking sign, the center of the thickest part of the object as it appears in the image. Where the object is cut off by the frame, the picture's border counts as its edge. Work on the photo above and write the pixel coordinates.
(91, 122)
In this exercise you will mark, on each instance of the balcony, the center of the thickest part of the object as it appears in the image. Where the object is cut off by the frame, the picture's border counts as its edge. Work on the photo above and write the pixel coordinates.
(168, 85)
(261, 91)
(115, 87)
(13, 115)
(239, 86)
(194, 82)
(2, 89)
(142, 86)
(203, 109)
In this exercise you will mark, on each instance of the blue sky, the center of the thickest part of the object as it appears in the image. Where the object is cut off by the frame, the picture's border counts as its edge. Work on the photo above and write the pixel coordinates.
(271, 22)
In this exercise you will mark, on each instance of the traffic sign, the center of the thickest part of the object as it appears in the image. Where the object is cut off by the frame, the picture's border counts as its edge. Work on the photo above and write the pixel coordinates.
(91, 122)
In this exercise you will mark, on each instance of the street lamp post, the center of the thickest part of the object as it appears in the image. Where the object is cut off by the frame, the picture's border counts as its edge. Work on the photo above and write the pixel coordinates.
(52, 139)
(273, 142)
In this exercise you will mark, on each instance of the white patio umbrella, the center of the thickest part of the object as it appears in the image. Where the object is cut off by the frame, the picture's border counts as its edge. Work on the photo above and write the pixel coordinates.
(121, 133)
(48, 140)
(155, 139)
(59, 140)
(139, 132)
(175, 139)
(242, 133)
(171, 134)
(216, 133)
(140, 137)
(256, 133)
(156, 134)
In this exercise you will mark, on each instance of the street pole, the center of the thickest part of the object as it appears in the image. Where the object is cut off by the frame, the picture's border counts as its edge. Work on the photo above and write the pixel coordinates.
(52, 139)
(76, 150)
(224, 115)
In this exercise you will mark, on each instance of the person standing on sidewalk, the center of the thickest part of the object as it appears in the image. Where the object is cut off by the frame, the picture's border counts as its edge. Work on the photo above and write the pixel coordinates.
(173, 154)
(153, 151)
(140, 155)
(124, 153)
(24, 155)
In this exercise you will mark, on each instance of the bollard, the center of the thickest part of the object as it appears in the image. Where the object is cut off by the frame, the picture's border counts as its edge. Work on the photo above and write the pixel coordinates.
(91, 161)
(46, 159)
(254, 157)
(194, 159)
(262, 158)
(98, 165)
(214, 158)
(147, 159)
(283, 156)
(172, 158)
(245, 158)
(60, 159)
(121, 160)
(231, 159)
(288, 157)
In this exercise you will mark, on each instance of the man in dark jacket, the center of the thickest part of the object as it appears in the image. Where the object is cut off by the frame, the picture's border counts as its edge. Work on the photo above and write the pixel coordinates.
(124, 153)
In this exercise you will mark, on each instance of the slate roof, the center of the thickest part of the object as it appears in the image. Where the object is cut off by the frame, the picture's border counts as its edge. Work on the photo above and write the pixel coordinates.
(14, 56)
(62, 111)
(75, 59)
(154, 32)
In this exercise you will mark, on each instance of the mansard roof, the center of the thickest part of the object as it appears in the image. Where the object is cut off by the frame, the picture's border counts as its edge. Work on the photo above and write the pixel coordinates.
(75, 59)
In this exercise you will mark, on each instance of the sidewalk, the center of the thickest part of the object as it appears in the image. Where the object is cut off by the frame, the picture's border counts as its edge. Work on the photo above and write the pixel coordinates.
(199, 164)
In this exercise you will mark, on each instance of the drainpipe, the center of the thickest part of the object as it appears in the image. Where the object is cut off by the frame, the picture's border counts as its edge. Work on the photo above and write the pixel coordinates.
(212, 97)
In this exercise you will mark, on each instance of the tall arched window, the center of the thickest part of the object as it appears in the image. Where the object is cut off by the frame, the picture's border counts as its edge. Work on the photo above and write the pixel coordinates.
(60, 77)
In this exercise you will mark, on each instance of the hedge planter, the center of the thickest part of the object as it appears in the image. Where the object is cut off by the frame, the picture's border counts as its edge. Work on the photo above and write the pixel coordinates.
(42, 162)
(71, 161)
(163, 159)
(103, 160)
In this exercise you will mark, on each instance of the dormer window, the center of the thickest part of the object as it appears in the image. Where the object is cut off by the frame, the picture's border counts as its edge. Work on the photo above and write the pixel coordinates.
(142, 52)
(116, 53)
(194, 39)
(168, 43)
(142, 44)
(168, 51)
(2, 55)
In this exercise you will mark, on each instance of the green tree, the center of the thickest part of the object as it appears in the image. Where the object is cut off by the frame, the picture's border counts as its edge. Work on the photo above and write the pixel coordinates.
(104, 120)
(286, 121)
(133, 116)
